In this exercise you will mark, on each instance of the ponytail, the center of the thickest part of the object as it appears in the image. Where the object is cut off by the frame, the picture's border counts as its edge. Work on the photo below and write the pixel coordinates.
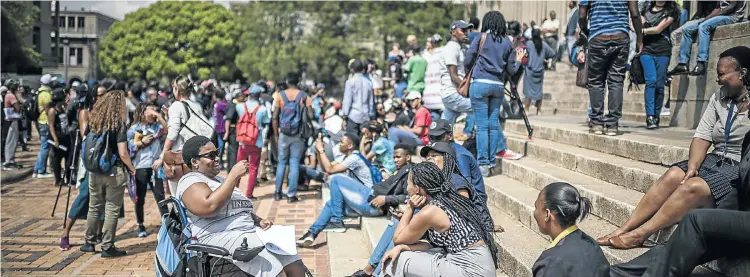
(566, 203)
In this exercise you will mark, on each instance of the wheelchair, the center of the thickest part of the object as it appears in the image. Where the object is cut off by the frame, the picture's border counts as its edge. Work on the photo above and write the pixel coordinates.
(177, 255)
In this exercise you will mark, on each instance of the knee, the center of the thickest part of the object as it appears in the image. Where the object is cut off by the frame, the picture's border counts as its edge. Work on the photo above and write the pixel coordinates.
(674, 175)
(694, 187)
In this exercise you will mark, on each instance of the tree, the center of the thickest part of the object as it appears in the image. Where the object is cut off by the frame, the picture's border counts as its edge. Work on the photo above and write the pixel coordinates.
(18, 17)
(169, 38)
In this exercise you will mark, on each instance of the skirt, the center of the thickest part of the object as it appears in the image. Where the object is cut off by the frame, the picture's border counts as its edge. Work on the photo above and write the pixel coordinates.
(718, 176)
(266, 264)
(471, 262)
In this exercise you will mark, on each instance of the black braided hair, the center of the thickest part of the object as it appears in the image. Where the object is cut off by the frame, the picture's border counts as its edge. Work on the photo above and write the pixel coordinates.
(427, 176)
(494, 22)
(192, 149)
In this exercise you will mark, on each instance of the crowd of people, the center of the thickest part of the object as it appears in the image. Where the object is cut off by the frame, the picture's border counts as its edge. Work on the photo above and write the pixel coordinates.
(175, 140)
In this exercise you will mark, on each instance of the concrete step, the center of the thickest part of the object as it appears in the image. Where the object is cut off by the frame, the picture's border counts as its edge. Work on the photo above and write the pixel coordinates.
(664, 146)
(627, 106)
(627, 116)
(624, 172)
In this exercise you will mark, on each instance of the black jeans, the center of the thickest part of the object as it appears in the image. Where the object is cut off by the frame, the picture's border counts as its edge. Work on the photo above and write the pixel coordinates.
(232, 146)
(58, 155)
(702, 236)
(142, 178)
(353, 127)
(607, 60)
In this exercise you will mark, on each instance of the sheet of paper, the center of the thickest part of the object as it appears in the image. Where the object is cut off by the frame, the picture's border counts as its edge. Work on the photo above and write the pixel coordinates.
(279, 239)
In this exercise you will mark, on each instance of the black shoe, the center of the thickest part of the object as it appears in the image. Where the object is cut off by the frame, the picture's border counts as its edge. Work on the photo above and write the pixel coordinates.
(335, 227)
(88, 248)
(699, 70)
(651, 123)
(360, 273)
(113, 252)
(292, 199)
(277, 196)
(680, 69)
(306, 240)
(657, 121)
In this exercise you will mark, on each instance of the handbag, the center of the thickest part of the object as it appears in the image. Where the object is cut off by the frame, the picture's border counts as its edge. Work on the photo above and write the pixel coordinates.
(636, 73)
(463, 88)
(174, 165)
(582, 76)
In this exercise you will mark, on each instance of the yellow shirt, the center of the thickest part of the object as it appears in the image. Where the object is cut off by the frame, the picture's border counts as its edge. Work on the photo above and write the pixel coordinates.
(44, 98)
(562, 235)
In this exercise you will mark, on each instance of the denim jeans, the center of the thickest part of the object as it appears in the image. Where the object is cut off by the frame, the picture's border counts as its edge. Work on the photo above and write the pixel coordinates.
(346, 193)
(703, 28)
(684, 17)
(397, 136)
(655, 73)
(291, 149)
(220, 138)
(384, 245)
(399, 89)
(454, 106)
(311, 173)
(485, 101)
(41, 159)
(606, 60)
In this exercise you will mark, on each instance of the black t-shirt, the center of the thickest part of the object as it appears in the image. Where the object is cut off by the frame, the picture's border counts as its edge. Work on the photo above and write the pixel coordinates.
(231, 114)
(656, 44)
(403, 119)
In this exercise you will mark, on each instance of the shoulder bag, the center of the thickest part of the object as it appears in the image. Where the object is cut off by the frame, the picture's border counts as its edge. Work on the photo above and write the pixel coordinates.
(463, 88)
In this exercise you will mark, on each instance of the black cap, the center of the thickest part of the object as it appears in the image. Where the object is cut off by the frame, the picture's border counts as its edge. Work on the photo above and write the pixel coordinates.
(461, 25)
(442, 147)
(440, 127)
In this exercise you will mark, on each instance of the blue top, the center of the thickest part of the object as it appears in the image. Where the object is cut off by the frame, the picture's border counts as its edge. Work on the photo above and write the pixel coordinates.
(145, 157)
(474, 35)
(469, 167)
(496, 60)
(359, 100)
(607, 17)
(261, 116)
(383, 149)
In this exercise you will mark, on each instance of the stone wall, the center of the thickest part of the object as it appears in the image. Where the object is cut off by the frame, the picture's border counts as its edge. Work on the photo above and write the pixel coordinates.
(691, 94)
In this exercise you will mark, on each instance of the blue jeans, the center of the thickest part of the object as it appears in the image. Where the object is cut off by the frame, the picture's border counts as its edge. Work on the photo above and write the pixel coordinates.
(655, 73)
(454, 106)
(485, 101)
(684, 17)
(384, 245)
(220, 137)
(41, 159)
(291, 149)
(345, 193)
(397, 136)
(399, 89)
(311, 173)
(703, 28)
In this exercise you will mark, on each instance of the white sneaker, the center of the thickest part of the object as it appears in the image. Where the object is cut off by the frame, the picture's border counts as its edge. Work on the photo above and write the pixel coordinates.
(33, 175)
(666, 112)
(508, 154)
(44, 176)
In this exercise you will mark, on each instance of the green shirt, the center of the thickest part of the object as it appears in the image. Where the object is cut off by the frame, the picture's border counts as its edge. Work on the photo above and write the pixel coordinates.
(416, 66)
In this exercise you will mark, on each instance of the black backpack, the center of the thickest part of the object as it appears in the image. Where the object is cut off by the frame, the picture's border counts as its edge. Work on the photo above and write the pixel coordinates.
(636, 73)
(31, 108)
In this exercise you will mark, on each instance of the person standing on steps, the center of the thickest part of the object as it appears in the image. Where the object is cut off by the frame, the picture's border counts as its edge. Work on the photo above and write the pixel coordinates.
(550, 28)
(533, 80)
(452, 72)
(657, 48)
(608, 45)
(359, 99)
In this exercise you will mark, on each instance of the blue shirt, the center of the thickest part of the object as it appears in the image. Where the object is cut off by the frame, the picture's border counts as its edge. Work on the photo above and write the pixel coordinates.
(261, 116)
(469, 167)
(496, 60)
(383, 149)
(359, 100)
(145, 157)
(607, 17)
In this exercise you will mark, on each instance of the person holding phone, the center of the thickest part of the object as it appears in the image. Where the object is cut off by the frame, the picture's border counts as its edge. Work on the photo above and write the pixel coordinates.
(144, 146)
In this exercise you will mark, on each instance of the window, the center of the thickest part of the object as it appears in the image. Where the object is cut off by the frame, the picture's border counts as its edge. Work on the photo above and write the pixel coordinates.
(38, 4)
(79, 56)
(60, 55)
(60, 22)
(36, 40)
(81, 22)
(71, 22)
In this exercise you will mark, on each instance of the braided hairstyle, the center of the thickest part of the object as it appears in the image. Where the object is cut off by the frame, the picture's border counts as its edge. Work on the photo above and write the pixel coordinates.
(427, 176)
(494, 22)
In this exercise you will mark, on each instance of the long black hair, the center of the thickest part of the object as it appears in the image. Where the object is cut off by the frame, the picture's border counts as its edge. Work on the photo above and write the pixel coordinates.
(536, 37)
(514, 28)
(494, 22)
(428, 177)
(566, 203)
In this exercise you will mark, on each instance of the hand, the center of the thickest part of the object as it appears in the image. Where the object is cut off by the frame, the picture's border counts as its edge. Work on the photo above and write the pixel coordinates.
(226, 136)
(417, 201)
(57, 144)
(520, 53)
(691, 172)
(151, 113)
(396, 212)
(265, 224)
(131, 170)
(640, 47)
(147, 139)
(319, 145)
(239, 169)
(581, 57)
(378, 201)
(157, 163)
(393, 254)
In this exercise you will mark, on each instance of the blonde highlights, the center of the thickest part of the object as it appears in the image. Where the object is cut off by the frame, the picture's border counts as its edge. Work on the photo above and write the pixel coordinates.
(108, 113)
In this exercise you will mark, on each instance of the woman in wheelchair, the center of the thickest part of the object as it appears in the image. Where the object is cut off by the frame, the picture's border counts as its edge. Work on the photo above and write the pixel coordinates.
(221, 215)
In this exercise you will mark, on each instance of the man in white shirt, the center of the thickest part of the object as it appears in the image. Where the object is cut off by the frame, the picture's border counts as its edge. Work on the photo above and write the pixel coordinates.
(452, 72)
(550, 29)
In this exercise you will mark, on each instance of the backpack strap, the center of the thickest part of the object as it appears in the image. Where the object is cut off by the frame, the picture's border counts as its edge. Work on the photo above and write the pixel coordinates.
(284, 97)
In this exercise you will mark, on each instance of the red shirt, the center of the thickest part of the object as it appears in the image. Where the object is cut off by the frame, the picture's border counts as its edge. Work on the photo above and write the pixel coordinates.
(423, 119)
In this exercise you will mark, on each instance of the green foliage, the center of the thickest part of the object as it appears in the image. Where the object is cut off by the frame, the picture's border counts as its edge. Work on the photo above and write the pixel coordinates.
(169, 38)
(18, 18)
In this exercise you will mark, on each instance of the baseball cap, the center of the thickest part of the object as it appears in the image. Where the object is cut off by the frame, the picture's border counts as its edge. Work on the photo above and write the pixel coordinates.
(321, 85)
(460, 24)
(255, 90)
(47, 79)
(442, 147)
(75, 84)
(413, 95)
(438, 127)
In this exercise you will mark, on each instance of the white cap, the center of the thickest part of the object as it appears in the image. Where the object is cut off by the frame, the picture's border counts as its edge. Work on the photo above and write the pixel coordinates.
(413, 95)
(47, 79)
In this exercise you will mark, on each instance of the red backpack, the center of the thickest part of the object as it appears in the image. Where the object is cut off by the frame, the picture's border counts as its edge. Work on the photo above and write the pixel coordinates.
(247, 127)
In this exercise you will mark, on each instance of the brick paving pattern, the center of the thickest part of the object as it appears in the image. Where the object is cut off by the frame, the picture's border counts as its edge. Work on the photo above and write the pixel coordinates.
(30, 235)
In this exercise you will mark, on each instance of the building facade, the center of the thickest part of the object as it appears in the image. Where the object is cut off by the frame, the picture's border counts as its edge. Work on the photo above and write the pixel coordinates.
(527, 11)
(80, 34)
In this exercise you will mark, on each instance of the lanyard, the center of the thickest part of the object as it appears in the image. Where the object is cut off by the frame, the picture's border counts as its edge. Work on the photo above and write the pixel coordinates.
(728, 128)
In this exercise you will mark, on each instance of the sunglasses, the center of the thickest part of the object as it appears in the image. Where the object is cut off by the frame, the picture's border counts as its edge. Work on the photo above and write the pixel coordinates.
(210, 155)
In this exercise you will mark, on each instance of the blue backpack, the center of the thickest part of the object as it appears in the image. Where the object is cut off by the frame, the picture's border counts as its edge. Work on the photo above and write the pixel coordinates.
(97, 154)
(375, 175)
(291, 115)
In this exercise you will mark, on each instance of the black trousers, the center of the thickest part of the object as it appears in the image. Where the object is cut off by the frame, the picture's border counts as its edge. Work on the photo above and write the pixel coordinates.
(58, 155)
(702, 236)
(353, 127)
(607, 60)
(142, 178)
(232, 146)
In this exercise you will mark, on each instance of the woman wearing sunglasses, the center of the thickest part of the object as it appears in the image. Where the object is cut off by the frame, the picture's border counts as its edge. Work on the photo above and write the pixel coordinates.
(220, 213)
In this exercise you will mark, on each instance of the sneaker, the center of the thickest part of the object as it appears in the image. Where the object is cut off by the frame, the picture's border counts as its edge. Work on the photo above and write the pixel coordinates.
(34, 175)
(335, 227)
(44, 176)
(666, 112)
(277, 196)
(680, 69)
(596, 129)
(113, 252)
(360, 273)
(485, 169)
(292, 199)
(87, 248)
(508, 154)
(64, 243)
(306, 240)
(651, 123)
(142, 231)
(612, 131)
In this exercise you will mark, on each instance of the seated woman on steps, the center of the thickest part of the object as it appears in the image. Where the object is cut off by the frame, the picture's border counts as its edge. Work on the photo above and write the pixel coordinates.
(702, 181)
(457, 242)
(572, 252)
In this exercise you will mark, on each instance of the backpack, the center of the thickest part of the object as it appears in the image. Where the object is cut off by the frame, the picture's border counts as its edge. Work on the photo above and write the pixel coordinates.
(291, 115)
(520, 42)
(636, 74)
(247, 127)
(375, 174)
(97, 154)
(31, 108)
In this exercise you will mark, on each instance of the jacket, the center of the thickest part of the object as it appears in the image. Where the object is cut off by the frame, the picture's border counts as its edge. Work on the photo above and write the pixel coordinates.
(496, 60)
(743, 183)
(394, 188)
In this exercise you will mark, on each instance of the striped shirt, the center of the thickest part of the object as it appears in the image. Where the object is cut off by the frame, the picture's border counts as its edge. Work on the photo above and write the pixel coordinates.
(607, 17)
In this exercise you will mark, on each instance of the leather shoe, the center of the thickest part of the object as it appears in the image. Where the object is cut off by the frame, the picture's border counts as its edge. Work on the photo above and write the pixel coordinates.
(680, 69)
(699, 70)
(617, 243)
(277, 196)
(292, 199)
(113, 252)
(603, 241)
(88, 248)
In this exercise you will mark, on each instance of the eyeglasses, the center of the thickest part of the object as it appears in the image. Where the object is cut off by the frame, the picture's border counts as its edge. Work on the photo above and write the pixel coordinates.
(210, 155)
(433, 155)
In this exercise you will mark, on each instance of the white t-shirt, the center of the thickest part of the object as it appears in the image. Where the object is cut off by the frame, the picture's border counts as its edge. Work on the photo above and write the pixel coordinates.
(358, 169)
(431, 96)
(551, 24)
(452, 54)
